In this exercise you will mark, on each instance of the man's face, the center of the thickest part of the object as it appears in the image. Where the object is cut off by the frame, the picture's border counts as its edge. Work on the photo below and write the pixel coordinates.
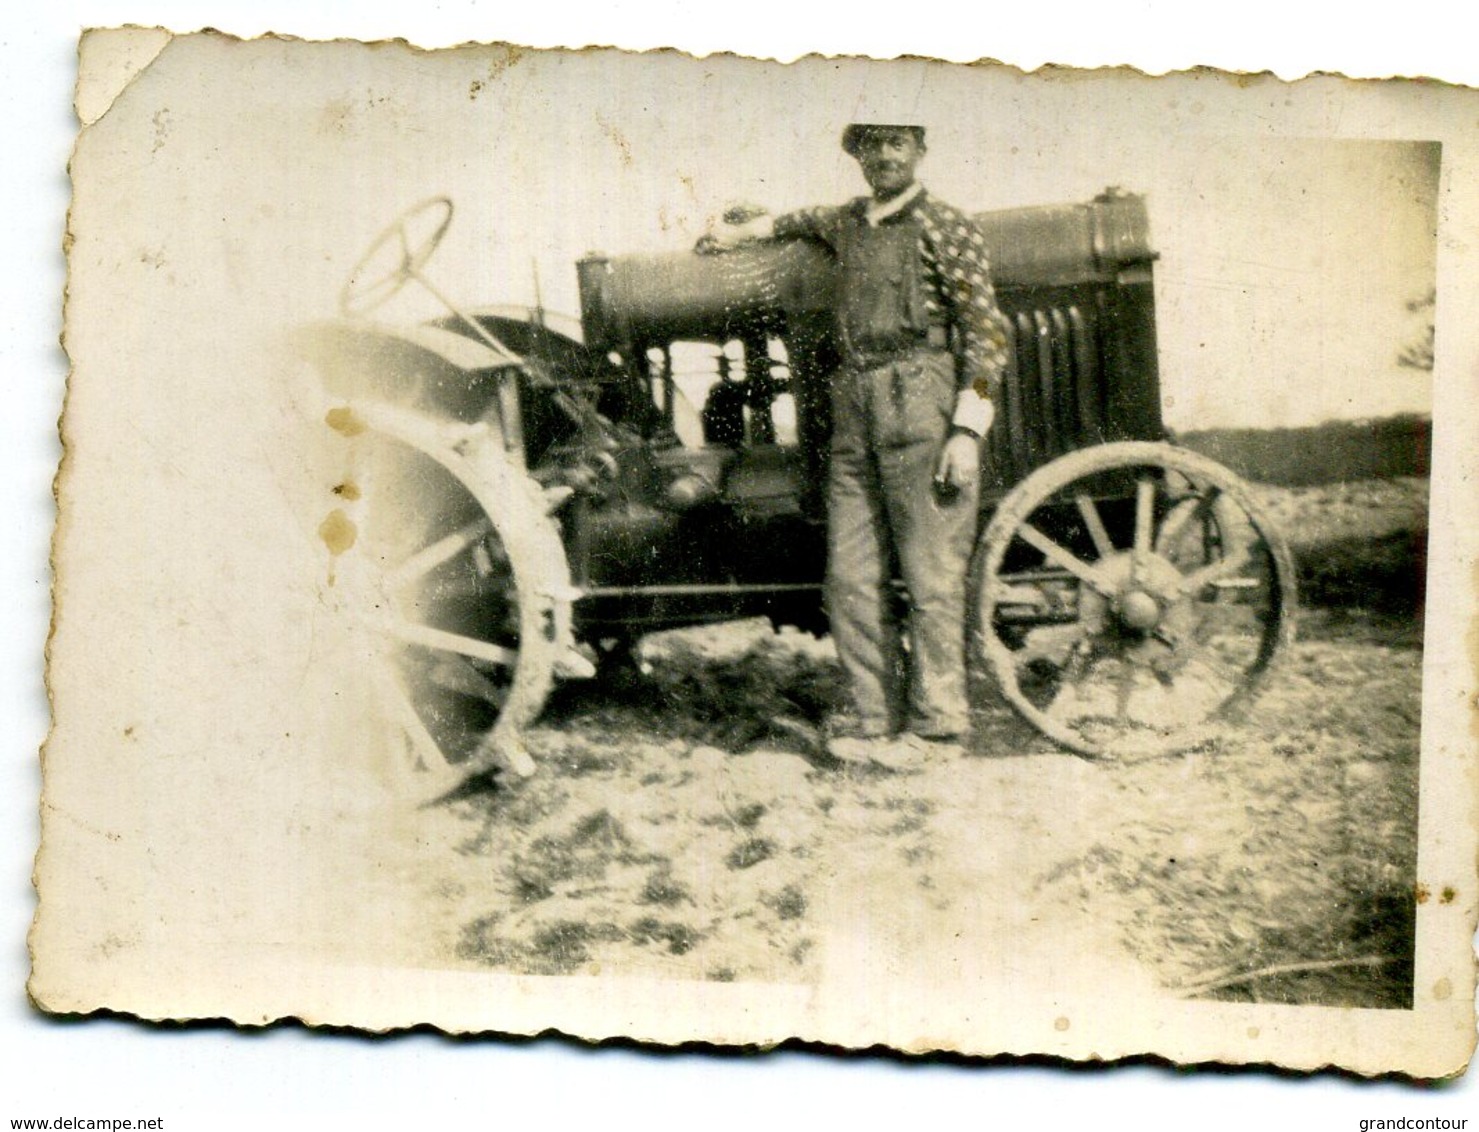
(888, 158)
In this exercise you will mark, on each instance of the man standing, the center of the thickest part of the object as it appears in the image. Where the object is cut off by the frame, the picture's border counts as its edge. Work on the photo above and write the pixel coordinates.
(924, 347)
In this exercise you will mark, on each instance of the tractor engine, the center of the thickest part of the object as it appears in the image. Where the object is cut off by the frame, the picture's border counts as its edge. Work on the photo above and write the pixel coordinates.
(729, 355)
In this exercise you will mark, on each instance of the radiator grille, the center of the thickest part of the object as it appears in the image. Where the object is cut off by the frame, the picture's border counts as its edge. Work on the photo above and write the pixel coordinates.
(1053, 397)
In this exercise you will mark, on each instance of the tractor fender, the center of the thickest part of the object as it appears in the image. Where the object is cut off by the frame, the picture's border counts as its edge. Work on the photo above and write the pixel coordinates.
(425, 367)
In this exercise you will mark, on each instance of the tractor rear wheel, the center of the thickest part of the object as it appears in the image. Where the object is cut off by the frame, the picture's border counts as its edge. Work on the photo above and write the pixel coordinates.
(462, 588)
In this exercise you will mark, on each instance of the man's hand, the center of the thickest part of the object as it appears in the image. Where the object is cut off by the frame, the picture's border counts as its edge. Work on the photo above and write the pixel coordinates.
(960, 464)
(741, 224)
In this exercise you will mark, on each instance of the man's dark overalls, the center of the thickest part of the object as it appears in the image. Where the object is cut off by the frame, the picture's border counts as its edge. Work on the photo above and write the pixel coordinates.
(892, 402)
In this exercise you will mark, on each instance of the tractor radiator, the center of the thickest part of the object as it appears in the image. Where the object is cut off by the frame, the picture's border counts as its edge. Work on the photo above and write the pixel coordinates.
(1053, 393)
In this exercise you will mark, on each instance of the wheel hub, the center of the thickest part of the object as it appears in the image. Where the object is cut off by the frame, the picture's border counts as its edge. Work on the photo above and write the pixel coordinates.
(1140, 598)
(1138, 610)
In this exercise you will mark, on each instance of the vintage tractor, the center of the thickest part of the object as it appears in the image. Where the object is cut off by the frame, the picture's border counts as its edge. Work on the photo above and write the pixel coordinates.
(531, 495)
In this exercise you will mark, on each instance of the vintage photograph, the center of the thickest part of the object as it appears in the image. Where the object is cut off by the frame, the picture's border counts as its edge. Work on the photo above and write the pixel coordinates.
(706, 550)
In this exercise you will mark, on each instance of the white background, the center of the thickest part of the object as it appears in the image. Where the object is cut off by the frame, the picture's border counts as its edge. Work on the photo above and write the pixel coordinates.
(213, 1078)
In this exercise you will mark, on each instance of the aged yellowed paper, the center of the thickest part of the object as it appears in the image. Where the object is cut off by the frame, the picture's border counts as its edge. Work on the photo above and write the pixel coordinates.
(373, 709)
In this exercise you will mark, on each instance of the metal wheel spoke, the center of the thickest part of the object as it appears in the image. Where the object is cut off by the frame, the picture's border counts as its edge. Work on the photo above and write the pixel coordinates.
(389, 285)
(1222, 584)
(1050, 644)
(1124, 686)
(1197, 650)
(427, 559)
(1071, 676)
(1144, 515)
(405, 242)
(1164, 678)
(1179, 517)
(1219, 666)
(462, 587)
(1213, 572)
(1077, 670)
(1080, 661)
(427, 637)
(1206, 661)
(1204, 631)
(1009, 591)
(457, 675)
(397, 703)
(1086, 507)
(1065, 558)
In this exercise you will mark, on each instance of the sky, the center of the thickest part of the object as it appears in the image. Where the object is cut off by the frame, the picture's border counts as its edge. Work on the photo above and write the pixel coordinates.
(1288, 259)
(1287, 262)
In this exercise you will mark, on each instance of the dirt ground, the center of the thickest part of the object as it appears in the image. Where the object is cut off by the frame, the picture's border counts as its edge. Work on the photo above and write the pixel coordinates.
(684, 823)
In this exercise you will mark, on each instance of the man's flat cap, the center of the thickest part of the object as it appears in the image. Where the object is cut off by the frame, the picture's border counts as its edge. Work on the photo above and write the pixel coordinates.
(854, 136)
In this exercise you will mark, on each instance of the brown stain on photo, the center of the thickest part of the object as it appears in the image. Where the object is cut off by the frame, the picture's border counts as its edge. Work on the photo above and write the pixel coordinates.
(161, 129)
(336, 116)
(508, 55)
(618, 139)
(343, 421)
(338, 531)
(348, 490)
(511, 53)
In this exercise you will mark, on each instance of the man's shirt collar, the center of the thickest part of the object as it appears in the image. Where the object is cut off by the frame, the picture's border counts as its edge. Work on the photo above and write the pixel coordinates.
(875, 213)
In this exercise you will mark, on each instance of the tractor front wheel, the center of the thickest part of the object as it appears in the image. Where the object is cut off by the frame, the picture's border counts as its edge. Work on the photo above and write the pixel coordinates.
(1130, 597)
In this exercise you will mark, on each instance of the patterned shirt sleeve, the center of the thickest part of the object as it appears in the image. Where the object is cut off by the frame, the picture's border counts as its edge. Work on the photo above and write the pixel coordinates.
(810, 224)
(956, 252)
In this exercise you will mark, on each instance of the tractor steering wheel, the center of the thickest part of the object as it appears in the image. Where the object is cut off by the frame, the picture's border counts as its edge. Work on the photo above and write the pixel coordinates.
(396, 256)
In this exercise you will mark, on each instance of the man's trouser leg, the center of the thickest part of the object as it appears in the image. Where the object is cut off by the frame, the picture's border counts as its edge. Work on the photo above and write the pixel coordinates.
(860, 602)
(932, 538)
